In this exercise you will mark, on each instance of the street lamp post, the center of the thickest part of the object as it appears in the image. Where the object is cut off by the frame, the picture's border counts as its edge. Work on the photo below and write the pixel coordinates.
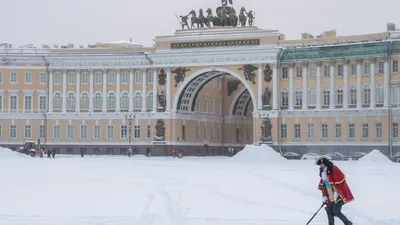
(130, 117)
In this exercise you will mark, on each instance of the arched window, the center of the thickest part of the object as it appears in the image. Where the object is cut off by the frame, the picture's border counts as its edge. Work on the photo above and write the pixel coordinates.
(98, 101)
(138, 100)
(353, 95)
(299, 97)
(326, 93)
(57, 101)
(150, 100)
(381, 94)
(367, 95)
(111, 101)
(285, 98)
(124, 101)
(313, 96)
(339, 96)
(85, 101)
(71, 101)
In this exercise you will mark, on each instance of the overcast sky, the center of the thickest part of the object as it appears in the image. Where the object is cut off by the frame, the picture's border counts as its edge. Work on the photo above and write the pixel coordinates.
(90, 21)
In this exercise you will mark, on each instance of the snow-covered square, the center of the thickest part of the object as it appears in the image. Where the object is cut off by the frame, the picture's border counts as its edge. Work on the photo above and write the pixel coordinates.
(256, 186)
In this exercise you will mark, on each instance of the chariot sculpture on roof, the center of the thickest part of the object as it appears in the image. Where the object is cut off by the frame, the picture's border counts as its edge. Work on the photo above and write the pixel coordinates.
(225, 16)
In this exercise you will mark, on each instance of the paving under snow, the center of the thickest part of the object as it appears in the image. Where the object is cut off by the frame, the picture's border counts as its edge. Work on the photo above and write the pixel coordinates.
(262, 154)
(375, 156)
(190, 191)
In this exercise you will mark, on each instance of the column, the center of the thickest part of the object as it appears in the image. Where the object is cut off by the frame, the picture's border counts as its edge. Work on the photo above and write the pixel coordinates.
(131, 81)
(291, 83)
(346, 84)
(50, 93)
(144, 96)
(305, 91)
(373, 86)
(104, 90)
(275, 84)
(168, 89)
(359, 84)
(64, 97)
(332, 85)
(155, 92)
(386, 83)
(78, 91)
(91, 89)
(260, 87)
(118, 94)
(318, 90)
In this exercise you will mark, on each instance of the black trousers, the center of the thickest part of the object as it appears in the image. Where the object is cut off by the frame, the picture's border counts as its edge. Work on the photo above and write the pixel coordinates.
(331, 217)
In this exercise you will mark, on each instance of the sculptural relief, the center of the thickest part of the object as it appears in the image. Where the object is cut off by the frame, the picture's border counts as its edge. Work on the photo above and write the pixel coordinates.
(249, 73)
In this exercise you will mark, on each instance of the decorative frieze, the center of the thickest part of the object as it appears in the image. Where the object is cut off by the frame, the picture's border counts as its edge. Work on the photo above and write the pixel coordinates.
(213, 44)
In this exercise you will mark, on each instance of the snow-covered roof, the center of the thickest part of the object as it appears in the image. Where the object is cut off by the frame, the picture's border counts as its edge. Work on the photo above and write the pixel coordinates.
(122, 42)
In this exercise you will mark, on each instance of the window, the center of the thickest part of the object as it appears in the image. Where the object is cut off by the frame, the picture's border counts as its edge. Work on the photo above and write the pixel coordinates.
(299, 72)
(124, 132)
(137, 132)
(313, 97)
(42, 131)
(125, 77)
(212, 105)
(85, 101)
(205, 104)
(148, 132)
(150, 100)
(111, 78)
(313, 71)
(352, 130)
(206, 132)
(219, 84)
(365, 130)
(198, 104)
(13, 131)
(395, 66)
(297, 131)
(212, 84)
(13, 78)
(367, 95)
(57, 101)
(326, 96)
(138, 100)
(395, 130)
(110, 132)
(219, 133)
(237, 135)
(283, 131)
(213, 133)
(324, 131)
(150, 76)
(198, 131)
(219, 107)
(326, 70)
(1, 129)
(299, 97)
(111, 101)
(285, 98)
(28, 103)
(28, 78)
(43, 78)
(56, 132)
(183, 132)
(367, 69)
(395, 95)
(353, 95)
(98, 78)
(340, 70)
(338, 130)
(71, 78)
(381, 94)
(339, 97)
(138, 77)
(98, 101)
(28, 131)
(378, 130)
(71, 101)
(124, 101)
(381, 67)
(43, 103)
(84, 132)
(1, 77)
(353, 69)
(310, 131)
(13, 102)
(1, 102)
(96, 132)
(85, 78)
(70, 132)
(57, 78)
(285, 72)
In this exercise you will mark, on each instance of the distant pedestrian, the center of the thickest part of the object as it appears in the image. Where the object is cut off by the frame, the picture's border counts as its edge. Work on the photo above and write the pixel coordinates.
(174, 153)
(82, 153)
(49, 154)
(54, 153)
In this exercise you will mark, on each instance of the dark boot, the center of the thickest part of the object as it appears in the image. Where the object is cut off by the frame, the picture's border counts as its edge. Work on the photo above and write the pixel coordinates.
(331, 218)
(344, 219)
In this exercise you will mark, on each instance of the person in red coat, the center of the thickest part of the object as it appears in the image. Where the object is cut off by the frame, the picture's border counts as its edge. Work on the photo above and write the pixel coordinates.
(334, 188)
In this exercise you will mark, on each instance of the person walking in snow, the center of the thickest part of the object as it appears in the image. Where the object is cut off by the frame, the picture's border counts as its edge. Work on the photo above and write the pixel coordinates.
(53, 153)
(334, 188)
(49, 154)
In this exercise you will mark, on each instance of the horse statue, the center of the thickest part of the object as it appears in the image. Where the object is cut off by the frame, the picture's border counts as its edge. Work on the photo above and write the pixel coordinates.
(193, 20)
(233, 18)
(202, 19)
(211, 18)
(243, 17)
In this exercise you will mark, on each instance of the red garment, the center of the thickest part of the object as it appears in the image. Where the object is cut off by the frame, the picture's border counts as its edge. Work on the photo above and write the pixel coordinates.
(337, 180)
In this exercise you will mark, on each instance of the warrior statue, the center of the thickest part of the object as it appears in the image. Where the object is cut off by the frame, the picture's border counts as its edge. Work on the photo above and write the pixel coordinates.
(184, 21)
(225, 2)
(251, 17)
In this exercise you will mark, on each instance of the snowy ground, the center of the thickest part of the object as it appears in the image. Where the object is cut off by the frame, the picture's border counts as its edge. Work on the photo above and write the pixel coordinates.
(165, 191)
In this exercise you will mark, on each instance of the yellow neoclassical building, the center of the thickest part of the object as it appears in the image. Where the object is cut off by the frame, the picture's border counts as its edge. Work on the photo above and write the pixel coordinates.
(204, 90)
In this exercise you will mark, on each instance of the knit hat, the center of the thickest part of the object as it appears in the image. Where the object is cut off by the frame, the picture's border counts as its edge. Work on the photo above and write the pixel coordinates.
(322, 159)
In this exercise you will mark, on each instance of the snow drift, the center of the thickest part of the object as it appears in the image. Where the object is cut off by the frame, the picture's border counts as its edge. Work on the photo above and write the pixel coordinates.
(375, 156)
(6, 153)
(263, 153)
